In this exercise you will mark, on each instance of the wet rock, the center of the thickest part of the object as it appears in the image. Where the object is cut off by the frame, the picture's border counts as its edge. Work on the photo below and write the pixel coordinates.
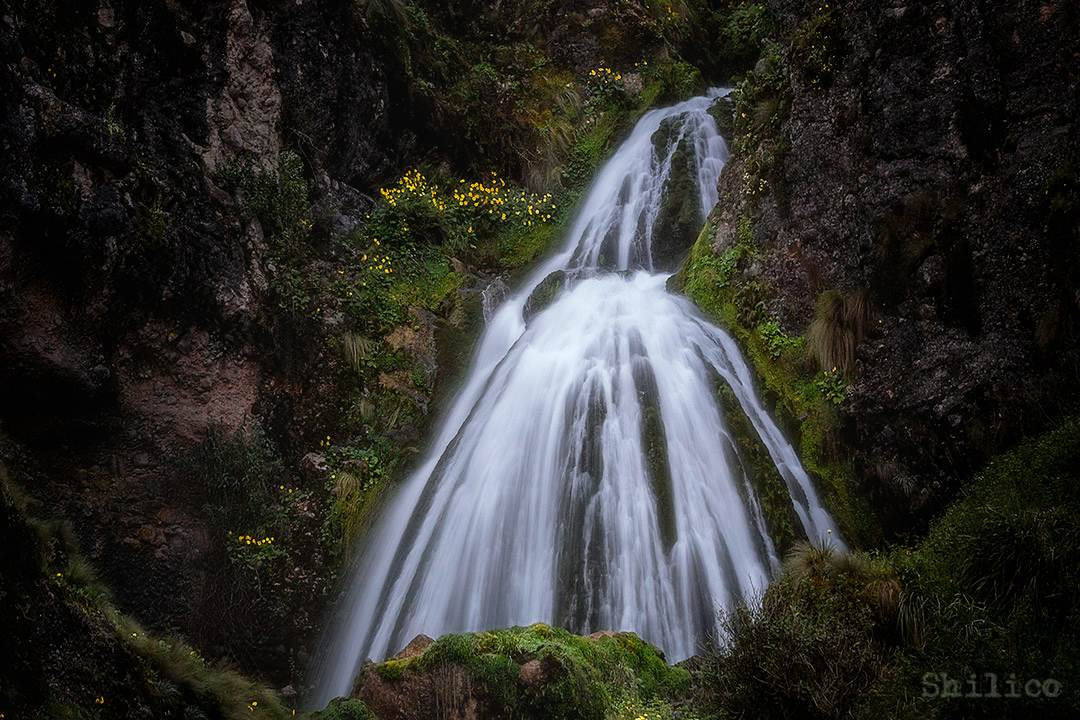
(544, 294)
(449, 691)
(416, 646)
(313, 464)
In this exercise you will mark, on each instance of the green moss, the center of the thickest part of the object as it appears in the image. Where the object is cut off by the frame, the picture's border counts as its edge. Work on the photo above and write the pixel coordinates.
(390, 670)
(765, 479)
(344, 709)
(582, 678)
(544, 294)
(589, 150)
(806, 408)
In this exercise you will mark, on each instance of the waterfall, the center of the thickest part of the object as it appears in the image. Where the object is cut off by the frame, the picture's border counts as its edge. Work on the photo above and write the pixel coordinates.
(585, 475)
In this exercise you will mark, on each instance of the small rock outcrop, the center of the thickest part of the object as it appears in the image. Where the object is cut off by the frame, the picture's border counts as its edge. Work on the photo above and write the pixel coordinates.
(544, 294)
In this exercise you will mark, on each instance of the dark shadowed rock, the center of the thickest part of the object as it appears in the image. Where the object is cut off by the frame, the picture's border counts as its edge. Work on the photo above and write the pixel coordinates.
(544, 294)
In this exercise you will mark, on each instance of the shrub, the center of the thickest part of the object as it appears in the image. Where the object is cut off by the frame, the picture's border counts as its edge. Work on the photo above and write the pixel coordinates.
(236, 474)
(278, 199)
(744, 31)
(811, 646)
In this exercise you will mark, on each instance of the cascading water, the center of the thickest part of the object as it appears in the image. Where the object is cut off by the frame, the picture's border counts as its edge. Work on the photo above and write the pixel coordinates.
(585, 476)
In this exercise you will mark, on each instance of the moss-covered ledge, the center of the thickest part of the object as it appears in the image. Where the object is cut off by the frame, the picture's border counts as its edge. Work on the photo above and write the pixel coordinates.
(526, 672)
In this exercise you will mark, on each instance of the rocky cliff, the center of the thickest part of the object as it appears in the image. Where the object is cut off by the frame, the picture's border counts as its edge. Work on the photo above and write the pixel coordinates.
(904, 176)
(190, 359)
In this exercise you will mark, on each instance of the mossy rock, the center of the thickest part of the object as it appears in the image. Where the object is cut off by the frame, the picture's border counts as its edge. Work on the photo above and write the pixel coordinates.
(679, 220)
(535, 671)
(544, 294)
(723, 112)
(344, 709)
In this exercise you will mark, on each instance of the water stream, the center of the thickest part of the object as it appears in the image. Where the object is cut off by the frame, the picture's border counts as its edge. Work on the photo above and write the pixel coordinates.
(585, 475)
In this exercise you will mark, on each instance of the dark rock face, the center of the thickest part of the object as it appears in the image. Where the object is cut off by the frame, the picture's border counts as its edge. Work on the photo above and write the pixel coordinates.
(929, 165)
(679, 220)
(134, 292)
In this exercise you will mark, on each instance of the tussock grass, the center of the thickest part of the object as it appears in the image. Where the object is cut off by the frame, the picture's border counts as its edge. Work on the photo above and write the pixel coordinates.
(839, 325)
(356, 346)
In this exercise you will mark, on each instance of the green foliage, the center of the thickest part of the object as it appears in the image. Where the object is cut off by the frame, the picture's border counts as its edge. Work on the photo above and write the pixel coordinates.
(680, 80)
(831, 387)
(218, 690)
(762, 104)
(355, 475)
(812, 645)
(744, 29)
(605, 89)
(356, 347)
(344, 709)
(113, 123)
(236, 473)
(589, 151)
(819, 47)
(466, 218)
(582, 678)
(775, 340)
(278, 199)
(995, 584)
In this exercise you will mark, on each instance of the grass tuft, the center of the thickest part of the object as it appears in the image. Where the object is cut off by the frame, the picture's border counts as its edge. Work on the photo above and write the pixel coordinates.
(839, 325)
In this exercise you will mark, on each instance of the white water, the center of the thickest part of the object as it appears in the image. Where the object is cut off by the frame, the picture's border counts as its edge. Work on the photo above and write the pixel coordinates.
(535, 503)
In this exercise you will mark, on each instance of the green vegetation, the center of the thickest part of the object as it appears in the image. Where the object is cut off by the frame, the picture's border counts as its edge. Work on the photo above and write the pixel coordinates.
(278, 199)
(573, 677)
(805, 401)
(344, 709)
(819, 47)
(812, 646)
(991, 592)
(69, 653)
(745, 29)
(263, 531)
(762, 104)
